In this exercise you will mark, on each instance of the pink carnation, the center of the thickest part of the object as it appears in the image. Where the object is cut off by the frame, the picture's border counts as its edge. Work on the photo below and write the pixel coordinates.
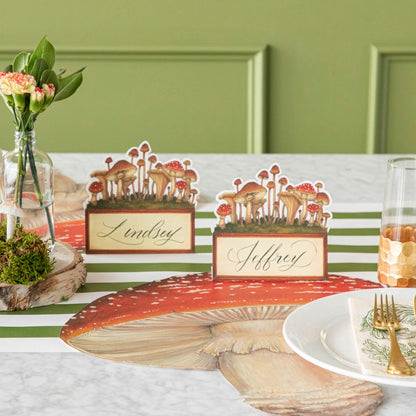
(16, 83)
(49, 90)
(37, 94)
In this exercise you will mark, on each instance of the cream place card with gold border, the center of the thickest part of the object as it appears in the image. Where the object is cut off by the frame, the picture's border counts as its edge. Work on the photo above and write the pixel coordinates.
(141, 205)
(147, 231)
(248, 256)
(270, 229)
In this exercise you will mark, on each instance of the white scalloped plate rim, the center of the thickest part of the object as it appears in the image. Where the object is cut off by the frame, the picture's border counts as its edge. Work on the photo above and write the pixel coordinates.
(328, 320)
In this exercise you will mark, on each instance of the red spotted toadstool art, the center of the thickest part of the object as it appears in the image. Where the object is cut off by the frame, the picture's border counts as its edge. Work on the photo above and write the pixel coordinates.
(192, 322)
(143, 181)
(272, 204)
(270, 228)
(141, 204)
(95, 188)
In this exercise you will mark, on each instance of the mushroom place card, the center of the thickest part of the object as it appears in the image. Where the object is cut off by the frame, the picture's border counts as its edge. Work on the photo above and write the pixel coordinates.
(141, 205)
(270, 229)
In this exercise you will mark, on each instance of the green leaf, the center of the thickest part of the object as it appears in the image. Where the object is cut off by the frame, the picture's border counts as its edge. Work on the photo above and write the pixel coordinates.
(38, 68)
(79, 70)
(49, 77)
(44, 50)
(9, 68)
(68, 85)
(20, 61)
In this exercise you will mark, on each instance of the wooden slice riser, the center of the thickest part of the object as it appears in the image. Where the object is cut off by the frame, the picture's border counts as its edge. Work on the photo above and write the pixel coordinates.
(67, 277)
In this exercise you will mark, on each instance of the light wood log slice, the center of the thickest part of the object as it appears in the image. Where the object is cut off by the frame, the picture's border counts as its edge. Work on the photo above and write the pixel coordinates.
(68, 276)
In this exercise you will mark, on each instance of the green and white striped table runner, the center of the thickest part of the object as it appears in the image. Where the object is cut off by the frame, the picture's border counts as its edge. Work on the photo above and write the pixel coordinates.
(352, 251)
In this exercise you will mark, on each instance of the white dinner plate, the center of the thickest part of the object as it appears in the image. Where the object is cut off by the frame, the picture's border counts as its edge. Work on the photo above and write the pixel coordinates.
(321, 333)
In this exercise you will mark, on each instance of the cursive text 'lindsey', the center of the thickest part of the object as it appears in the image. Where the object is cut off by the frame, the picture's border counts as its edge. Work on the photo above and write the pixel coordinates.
(130, 234)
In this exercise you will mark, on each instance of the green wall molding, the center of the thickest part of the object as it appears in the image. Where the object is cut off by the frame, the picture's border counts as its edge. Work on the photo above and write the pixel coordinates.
(381, 59)
(254, 57)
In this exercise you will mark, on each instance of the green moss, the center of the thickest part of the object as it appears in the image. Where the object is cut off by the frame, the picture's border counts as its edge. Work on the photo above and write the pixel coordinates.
(133, 203)
(265, 227)
(24, 259)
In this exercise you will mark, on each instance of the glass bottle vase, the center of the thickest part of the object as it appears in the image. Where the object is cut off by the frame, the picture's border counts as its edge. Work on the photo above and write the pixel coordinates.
(27, 179)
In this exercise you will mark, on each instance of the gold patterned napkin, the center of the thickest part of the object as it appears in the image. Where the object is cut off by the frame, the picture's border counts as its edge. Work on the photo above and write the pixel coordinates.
(373, 345)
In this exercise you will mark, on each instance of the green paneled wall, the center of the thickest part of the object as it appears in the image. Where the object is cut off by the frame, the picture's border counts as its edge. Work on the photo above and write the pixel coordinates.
(196, 75)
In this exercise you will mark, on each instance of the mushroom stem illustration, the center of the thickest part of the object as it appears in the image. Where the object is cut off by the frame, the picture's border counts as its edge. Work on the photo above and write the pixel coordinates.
(271, 187)
(161, 180)
(223, 210)
(119, 192)
(276, 211)
(145, 190)
(251, 193)
(121, 171)
(292, 203)
(263, 175)
(174, 170)
(256, 206)
(180, 186)
(144, 148)
(126, 183)
(313, 210)
(249, 210)
(95, 188)
(322, 199)
(282, 182)
(194, 196)
(306, 193)
(318, 186)
(189, 177)
(237, 183)
(140, 165)
(133, 153)
(275, 170)
(326, 216)
(100, 175)
(186, 163)
(228, 197)
(108, 161)
(152, 160)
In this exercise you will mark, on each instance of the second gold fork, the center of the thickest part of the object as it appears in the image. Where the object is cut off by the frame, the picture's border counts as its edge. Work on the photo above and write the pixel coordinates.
(388, 321)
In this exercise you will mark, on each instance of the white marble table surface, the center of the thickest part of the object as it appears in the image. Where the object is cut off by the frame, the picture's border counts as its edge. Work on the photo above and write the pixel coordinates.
(35, 384)
(348, 178)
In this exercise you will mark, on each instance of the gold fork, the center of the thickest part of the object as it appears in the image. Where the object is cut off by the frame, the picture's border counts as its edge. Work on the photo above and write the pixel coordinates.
(388, 321)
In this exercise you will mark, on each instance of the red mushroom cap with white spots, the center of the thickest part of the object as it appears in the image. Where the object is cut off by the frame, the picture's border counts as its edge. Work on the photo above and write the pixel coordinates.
(313, 208)
(174, 165)
(223, 210)
(168, 322)
(181, 185)
(174, 169)
(95, 187)
(306, 188)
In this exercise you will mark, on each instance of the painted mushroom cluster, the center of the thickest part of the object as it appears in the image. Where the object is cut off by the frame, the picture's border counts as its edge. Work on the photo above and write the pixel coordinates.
(273, 200)
(144, 177)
